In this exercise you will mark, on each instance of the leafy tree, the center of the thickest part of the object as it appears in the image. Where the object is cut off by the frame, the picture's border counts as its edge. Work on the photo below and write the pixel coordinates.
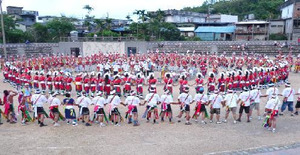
(262, 9)
(40, 32)
(277, 37)
(60, 27)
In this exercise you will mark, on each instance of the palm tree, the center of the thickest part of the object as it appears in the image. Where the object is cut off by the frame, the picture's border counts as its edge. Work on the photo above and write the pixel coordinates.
(88, 8)
(108, 22)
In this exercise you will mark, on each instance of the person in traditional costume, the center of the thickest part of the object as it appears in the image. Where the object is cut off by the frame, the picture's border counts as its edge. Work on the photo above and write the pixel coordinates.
(9, 105)
(166, 100)
(201, 100)
(168, 82)
(99, 102)
(152, 99)
(271, 110)
(185, 99)
(54, 103)
(215, 101)
(132, 102)
(38, 100)
(139, 85)
(114, 100)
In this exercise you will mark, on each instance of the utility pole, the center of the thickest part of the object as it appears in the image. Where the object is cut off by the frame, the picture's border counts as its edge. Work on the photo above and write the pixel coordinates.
(3, 32)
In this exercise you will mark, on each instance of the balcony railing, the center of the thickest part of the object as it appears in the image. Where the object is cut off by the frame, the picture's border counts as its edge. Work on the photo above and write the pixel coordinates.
(251, 31)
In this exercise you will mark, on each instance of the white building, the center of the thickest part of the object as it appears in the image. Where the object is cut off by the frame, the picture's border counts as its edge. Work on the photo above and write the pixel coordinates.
(221, 18)
(290, 13)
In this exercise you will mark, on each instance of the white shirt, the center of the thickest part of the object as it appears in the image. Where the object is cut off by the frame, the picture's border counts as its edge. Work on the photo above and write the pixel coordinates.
(116, 67)
(83, 101)
(201, 98)
(289, 93)
(125, 67)
(38, 100)
(185, 98)
(166, 99)
(270, 91)
(153, 101)
(107, 66)
(245, 97)
(273, 102)
(255, 95)
(100, 67)
(54, 101)
(137, 68)
(113, 100)
(132, 100)
(99, 101)
(231, 100)
(216, 100)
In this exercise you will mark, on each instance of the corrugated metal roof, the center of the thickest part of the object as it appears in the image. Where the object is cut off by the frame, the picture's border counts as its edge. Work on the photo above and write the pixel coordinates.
(252, 22)
(186, 29)
(215, 29)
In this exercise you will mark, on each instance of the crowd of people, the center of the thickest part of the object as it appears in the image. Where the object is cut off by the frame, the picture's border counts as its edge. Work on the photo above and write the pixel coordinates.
(229, 82)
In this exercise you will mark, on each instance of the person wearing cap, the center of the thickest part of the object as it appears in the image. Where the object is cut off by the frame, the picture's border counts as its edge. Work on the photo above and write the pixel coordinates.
(152, 99)
(36, 80)
(49, 82)
(78, 83)
(201, 100)
(84, 102)
(139, 85)
(93, 84)
(244, 101)
(184, 99)
(288, 94)
(54, 104)
(132, 101)
(168, 82)
(152, 82)
(255, 100)
(271, 109)
(114, 101)
(86, 84)
(99, 102)
(199, 82)
(70, 113)
(38, 100)
(42, 81)
(166, 100)
(230, 101)
(57, 81)
(215, 100)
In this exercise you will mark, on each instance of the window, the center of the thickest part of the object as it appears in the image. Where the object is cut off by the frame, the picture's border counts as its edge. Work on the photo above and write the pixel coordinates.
(273, 25)
(279, 25)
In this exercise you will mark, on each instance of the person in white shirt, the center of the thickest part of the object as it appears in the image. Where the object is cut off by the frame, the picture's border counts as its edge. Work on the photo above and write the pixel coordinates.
(288, 93)
(116, 68)
(38, 100)
(107, 68)
(215, 101)
(132, 102)
(244, 100)
(54, 104)
(166, 100)
(201, 100)
(255, 100)
(84, 103)
(152, 100)
(114, 101)
(99, 102)
(271, 109)
(231, 105)
(185, 99)
(271, 90)
(125, 67)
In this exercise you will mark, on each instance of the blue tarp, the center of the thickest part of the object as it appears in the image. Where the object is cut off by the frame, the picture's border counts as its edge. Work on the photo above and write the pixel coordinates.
(215, 29)
(120, 29)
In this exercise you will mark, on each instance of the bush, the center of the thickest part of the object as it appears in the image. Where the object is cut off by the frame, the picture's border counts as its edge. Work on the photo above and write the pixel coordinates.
(277, 36)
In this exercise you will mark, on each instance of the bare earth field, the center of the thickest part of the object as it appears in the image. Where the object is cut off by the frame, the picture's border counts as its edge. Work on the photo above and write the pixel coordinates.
(148, 138)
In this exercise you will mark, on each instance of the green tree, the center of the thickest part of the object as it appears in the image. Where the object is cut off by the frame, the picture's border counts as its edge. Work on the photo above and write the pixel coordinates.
(40, 33)
(59, 27)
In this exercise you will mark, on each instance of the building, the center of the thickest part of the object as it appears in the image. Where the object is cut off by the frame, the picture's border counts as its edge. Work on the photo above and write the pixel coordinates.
(24, 17)
(221, 18)
(215, 33)
(178, 16)
(251, 30)
(187, 31)
(290, 13)
(276, 26)
(46, 19)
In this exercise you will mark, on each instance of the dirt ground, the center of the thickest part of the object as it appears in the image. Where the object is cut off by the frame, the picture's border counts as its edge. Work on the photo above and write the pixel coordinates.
(148, 138)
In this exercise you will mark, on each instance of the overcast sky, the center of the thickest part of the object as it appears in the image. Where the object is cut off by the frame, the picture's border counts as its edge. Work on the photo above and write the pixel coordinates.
(115, 8)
